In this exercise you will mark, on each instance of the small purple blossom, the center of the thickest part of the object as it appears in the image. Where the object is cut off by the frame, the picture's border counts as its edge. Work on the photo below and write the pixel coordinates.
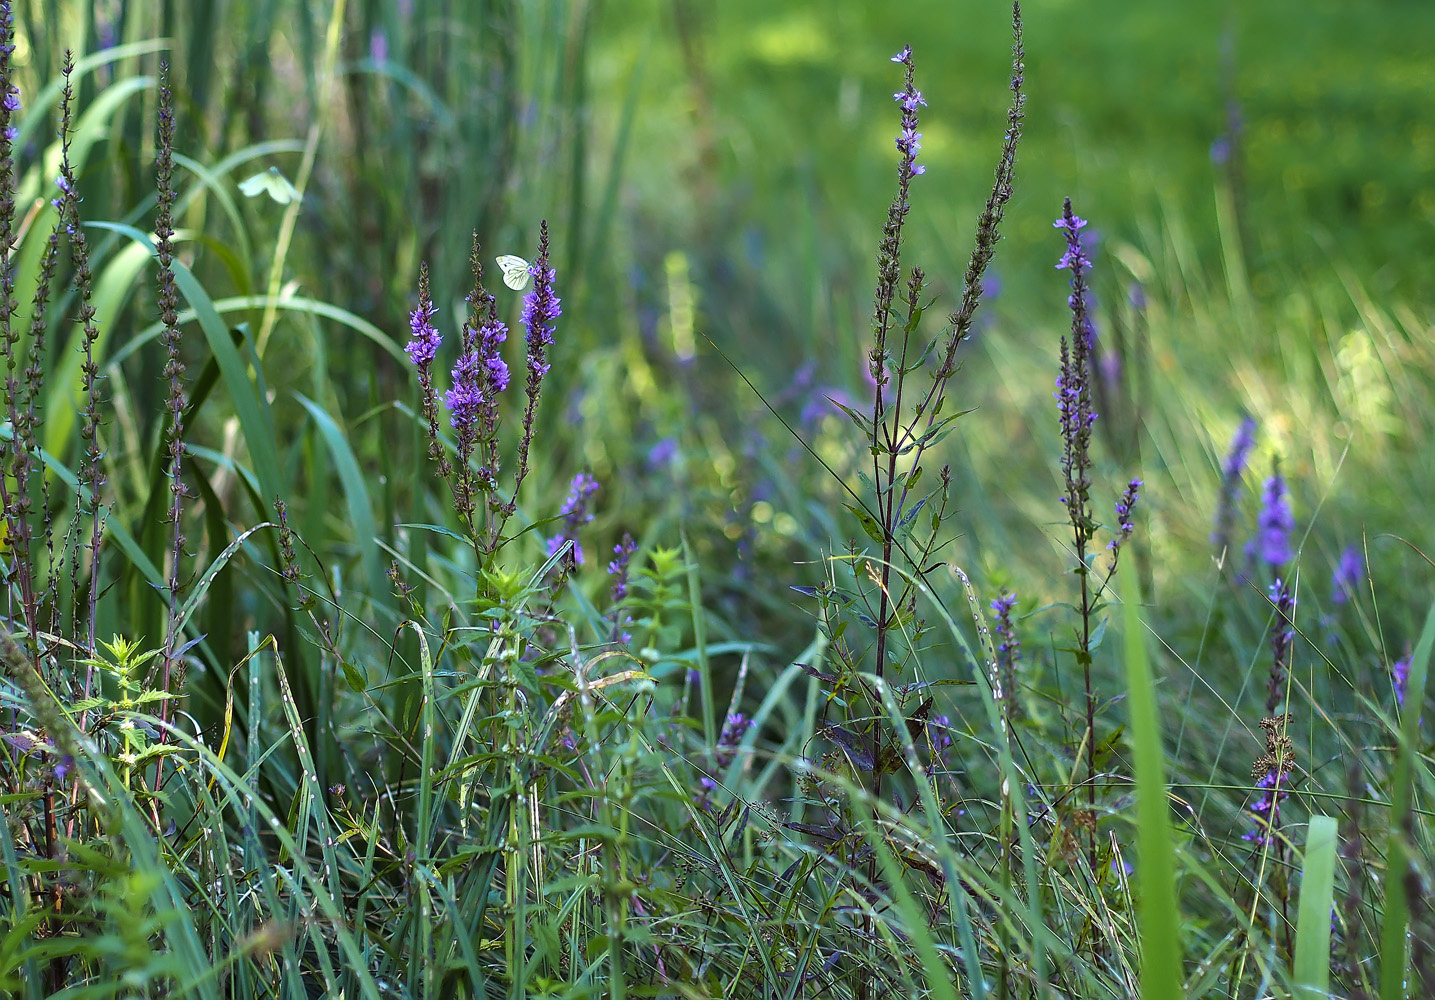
(1073, 384)
(574, 514)
(63, 768)
(1124, 506)
(1271, 543)
(734, 727)
(1008, 650)
(1400, 676)
(939, 731)
(1231, 471)
(1282, 637)
(1241, 443)
(540, 308)
(618, 567)
(1136, 296)
(1075, 255)
(425, 340)
(379, 46)
(1265, 809)
(1347, 575)
(12, 100)
(909, 141)
(662, 453)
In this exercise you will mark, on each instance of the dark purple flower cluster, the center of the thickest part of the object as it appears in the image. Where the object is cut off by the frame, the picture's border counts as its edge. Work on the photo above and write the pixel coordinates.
(939, 731)
(1400, 676)
(541, 307)
(574, 513)
(1265, 810)
(1073, 385)
(1008, 649)
(733, 729)
(909, 142)
(424, 339)
(1124, 506)
(478, 376)
(1282, 637)
(618, 568)
(1271, 543)
(1347, 575)
(1231, 470)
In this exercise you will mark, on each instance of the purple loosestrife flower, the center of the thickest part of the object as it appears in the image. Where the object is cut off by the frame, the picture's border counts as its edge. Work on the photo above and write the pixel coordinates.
(1282, 637)
(574, 513)
(1073, 385)
(1272, 772)
(1347, 576)
(541, 307)
(422, 348)
(1231, 472)
(909, 141)
(733, 729)
(1271, 543)
(618, 569)
(1400, 677)
(1008, 650)
(1124, 507)
(425, 340)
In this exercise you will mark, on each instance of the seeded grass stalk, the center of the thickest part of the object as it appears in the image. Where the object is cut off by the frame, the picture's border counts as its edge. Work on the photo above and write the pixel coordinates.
(1393, 952)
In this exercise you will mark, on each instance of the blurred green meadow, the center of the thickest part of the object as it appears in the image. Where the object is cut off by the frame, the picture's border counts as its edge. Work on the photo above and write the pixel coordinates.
(413, 751)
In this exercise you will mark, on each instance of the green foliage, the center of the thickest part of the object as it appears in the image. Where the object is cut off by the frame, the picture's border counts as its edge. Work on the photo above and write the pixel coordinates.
(363, 743)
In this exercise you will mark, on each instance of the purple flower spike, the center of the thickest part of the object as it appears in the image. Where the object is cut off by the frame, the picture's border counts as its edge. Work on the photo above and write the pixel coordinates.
(1124, 506)
(909, 141)
(423, 347)
(1347, 576)
(1400, 676)
(574, 513)
(1272, 541)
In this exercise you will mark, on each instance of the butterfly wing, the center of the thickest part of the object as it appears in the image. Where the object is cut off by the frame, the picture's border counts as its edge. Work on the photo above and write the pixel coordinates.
(515, 272)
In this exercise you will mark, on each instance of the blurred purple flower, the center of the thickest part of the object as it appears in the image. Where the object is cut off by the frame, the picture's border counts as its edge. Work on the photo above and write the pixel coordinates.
(574, 513)
(662, 453)
(1347, 576)
(1400, 676)
(1271, 543)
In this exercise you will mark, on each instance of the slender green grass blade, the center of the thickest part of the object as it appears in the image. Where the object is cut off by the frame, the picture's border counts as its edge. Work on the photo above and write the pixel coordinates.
(356, 495)
(1397, 905)
(1317, 889)
(1159, 916)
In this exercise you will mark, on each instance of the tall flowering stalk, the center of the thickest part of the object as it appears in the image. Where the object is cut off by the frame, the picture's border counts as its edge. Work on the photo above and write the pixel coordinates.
(1271, 543)
(478, 379)
(1008, 650)
(17, 450)
(174, 372)
(91, 479)
(541, 307)
(1076, 416)
(1232, 469)
(574, 514)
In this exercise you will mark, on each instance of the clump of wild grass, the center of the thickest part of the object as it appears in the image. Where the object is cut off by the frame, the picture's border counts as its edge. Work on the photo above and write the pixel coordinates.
(520, 775)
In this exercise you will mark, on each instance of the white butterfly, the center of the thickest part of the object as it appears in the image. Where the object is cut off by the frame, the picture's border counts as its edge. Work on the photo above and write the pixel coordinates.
(272, 183)
(515, 272)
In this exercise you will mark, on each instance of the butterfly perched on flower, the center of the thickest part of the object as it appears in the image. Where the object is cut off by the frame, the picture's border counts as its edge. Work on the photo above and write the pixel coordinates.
(515, 272)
